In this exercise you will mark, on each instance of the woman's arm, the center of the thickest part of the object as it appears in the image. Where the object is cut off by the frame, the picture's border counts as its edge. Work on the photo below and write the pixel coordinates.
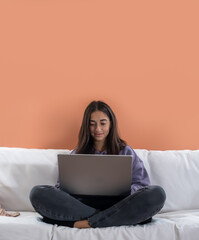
(140, 177)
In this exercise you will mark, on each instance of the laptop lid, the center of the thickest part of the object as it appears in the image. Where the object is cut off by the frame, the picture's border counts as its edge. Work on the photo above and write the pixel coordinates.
(88, 174)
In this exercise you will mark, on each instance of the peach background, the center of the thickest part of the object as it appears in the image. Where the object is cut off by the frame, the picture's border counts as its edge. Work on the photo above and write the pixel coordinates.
(141, 57)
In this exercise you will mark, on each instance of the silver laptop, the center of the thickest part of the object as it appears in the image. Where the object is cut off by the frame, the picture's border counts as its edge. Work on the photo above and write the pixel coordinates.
(89, 174)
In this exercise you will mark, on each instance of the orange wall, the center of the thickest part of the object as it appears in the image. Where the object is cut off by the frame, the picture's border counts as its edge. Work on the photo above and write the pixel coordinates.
(141, 57)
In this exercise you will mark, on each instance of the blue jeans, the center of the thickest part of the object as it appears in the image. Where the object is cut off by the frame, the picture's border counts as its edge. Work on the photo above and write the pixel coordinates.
(59, 207)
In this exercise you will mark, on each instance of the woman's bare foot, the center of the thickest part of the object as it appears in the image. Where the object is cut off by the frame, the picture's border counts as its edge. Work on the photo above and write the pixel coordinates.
(81, 224)
(4, 213)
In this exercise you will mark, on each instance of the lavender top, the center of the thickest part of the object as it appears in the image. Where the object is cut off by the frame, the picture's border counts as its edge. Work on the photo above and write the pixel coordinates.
(140, 177)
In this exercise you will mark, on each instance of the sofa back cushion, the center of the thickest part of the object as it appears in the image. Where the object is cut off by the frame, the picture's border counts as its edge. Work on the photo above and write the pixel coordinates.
(20, 170)
(178, 173)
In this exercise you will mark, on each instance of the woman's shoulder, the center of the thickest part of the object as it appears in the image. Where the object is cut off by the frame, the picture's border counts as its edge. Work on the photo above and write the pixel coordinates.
(127, 150)
(73, 151)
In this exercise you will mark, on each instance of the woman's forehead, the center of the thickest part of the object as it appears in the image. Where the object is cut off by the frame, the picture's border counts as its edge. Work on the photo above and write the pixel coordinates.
(98, 115)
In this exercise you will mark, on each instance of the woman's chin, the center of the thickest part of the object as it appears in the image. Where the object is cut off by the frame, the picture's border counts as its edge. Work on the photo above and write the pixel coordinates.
(99, 139)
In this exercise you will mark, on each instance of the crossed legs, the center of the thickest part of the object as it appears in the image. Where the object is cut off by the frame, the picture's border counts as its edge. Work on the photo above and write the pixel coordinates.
(59, 207)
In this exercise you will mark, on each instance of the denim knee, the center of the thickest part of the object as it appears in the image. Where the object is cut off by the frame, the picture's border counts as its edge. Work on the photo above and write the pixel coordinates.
(35, 193)
(159, 194)
(156, 199)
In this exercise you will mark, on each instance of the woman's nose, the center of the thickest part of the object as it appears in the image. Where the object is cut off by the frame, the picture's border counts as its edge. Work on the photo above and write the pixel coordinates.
(97, 127)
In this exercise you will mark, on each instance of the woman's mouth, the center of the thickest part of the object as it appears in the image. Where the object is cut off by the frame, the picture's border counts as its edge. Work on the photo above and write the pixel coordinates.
(98, 134)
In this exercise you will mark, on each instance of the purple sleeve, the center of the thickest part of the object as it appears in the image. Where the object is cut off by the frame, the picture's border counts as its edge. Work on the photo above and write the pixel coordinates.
(73, 151)
(140, 177)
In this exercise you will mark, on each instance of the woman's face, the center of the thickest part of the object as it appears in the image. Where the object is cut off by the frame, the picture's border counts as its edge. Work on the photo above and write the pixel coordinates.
(99, 126)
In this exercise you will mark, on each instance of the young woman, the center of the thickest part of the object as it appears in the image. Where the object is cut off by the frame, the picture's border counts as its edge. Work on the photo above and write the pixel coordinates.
(99, 135)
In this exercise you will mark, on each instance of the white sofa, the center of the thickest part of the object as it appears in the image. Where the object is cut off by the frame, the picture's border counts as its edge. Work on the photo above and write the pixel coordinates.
(176, 171)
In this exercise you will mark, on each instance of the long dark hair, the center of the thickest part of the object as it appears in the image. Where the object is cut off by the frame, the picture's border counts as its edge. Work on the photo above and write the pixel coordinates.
(85, 142)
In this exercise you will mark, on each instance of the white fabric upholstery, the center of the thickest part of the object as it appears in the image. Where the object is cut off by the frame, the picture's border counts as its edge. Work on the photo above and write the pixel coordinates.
(25, 227)
(20, 170)
(181, 225)
(176, 171)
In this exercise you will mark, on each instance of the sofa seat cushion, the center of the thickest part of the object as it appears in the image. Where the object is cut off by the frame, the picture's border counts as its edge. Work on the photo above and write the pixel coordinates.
(164, 226)
(27, 226)
(186, 223)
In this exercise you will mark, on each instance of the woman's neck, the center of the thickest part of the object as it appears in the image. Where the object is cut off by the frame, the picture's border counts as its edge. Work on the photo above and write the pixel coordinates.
(100, 147)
